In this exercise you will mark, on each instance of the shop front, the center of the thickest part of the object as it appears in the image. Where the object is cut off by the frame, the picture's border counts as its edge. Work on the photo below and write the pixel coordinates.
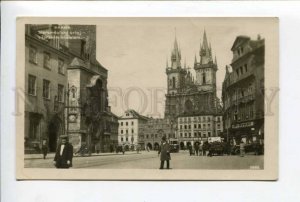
(248, 132)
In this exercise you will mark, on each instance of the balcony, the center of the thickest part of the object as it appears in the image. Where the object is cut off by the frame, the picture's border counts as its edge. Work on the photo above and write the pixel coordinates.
(245, 99)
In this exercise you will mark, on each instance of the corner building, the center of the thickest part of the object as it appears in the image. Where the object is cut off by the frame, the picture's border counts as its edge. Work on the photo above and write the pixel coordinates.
(46, 62)
(243, 91)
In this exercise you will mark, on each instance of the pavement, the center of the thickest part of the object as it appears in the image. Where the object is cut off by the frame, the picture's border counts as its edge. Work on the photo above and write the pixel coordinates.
(51, 155)
(150, 160)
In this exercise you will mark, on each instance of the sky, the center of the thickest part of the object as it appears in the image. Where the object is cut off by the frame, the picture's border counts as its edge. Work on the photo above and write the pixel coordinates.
(135, 51)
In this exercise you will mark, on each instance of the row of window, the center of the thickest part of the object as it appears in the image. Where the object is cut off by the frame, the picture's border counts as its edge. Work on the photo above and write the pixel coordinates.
(239, 93)
(196, 134)
(127, 139)
(32, 86)
(46, 60)
(240, 51)
(195, 126)
(126, 131)
(126, 123)
(155, 136)
(199, 118)
(244, 113)
(241, 70)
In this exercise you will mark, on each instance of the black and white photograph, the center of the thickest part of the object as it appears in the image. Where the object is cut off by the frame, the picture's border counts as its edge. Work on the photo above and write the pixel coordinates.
(163, 96)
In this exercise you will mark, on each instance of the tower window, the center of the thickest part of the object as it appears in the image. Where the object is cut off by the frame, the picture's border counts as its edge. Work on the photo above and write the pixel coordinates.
(173, 82)
(203, 78)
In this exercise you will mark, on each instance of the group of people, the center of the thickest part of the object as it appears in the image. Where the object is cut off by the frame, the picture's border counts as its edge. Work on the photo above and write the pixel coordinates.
(63, 155)
(199, 149)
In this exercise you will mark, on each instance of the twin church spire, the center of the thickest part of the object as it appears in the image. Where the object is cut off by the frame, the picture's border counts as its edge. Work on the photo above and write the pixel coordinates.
(205, 54)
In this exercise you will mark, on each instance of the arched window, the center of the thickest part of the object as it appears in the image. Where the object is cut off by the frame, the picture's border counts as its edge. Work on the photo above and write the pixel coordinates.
(188, 106)
(174, 80)
(203, 78)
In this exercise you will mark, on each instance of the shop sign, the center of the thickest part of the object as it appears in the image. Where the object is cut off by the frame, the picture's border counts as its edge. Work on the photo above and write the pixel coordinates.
(243, 125)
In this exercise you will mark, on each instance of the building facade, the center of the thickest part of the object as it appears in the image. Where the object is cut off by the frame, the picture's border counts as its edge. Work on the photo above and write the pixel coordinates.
(186, 94)
(198, 128)
(243, 91)
(152, 131)
(189, 100)
(128, 131)
(90, 121)
(45, 84)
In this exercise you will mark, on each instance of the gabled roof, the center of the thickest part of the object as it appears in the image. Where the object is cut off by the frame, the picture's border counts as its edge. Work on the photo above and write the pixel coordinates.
(133, 114)
(78, 62)
(239, 40)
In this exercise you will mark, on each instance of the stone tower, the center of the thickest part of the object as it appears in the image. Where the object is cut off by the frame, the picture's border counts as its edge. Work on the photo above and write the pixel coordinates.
(175, 73)
(206, 68)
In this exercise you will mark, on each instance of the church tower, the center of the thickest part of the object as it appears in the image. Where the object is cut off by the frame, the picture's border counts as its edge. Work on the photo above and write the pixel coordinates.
(206, 68)
(175, 73)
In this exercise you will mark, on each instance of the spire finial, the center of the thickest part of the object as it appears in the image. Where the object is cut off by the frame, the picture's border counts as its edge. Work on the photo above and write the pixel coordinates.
(205, 45)
(216, 59)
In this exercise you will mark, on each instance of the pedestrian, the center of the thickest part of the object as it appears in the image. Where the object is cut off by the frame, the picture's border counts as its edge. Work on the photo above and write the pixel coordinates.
(44, 148)
(201, 149)
(197, 148)
(164, 152)
(190, 149)
(242, 148)
(64, 154)
(123, 149)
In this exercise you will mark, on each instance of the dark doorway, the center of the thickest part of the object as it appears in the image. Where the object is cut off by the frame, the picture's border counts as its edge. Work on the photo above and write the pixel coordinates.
(156, 146)
(188, 144)
(54, 131)
(149, 145)
(181, 145)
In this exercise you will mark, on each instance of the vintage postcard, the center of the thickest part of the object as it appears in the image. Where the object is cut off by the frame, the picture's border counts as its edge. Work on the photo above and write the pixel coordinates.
(147, 98)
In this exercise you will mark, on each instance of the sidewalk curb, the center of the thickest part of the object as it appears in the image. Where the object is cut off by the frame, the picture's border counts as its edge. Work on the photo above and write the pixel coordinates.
(78, 156)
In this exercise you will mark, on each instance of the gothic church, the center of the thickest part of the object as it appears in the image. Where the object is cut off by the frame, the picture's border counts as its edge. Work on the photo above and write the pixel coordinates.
(189, 96)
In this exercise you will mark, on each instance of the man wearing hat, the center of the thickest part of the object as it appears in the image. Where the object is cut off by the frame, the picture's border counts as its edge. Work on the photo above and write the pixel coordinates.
(164, 152)
(64, 154)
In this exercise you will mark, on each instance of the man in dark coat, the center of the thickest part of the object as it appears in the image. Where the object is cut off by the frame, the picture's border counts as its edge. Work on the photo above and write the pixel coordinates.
(64, 154)
(44, 148)
(197, 148)
(164, 151)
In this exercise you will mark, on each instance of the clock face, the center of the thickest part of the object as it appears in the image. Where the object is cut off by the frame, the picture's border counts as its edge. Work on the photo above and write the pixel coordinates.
(72, 117)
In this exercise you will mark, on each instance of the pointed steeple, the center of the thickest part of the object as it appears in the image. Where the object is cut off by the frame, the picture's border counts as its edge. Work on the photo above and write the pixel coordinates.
(195, 62)
(205, 53)
(216, 63)
(184, 62)
(176, 55)
(205, 43)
